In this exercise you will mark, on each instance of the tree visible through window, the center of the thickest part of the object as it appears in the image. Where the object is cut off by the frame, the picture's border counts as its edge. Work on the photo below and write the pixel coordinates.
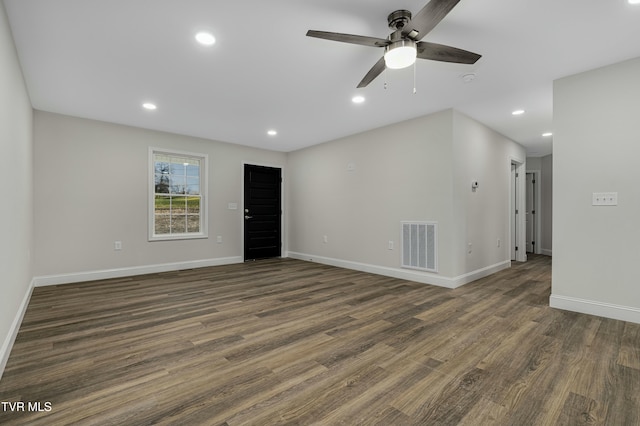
(178, 209)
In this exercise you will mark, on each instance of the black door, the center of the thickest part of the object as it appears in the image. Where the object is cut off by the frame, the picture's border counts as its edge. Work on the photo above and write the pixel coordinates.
(262, 212)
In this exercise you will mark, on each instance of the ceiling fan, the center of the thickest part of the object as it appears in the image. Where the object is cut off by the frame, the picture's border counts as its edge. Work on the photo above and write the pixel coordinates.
(403, 45)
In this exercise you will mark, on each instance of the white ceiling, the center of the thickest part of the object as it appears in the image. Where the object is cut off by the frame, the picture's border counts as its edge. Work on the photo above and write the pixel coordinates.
(102, 59)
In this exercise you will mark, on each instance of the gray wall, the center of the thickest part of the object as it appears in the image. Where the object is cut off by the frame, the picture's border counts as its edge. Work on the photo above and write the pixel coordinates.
(16, 208)
(420, 169)
(401, 172)
(482, 216)
(91, 190)
(596, 149)
(91, 181)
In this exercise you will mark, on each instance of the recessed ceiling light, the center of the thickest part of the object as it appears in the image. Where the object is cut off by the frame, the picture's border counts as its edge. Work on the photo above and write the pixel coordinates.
(272, 132)
(205, 38)
(357, 99)
(634, 1)
(518, 112)
(546, 135)
(149, 106)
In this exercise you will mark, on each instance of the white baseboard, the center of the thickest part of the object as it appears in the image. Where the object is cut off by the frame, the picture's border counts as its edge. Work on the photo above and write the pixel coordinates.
(131, 271)
(481, 273)
(405, 274)
(607, 310)
(7, 345)
(546, 252)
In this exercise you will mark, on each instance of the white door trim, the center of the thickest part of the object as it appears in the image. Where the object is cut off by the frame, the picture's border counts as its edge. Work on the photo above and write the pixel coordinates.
(520, 205)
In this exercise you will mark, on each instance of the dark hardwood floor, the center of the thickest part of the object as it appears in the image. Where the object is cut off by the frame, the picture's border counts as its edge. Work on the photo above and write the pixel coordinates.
(289, 342)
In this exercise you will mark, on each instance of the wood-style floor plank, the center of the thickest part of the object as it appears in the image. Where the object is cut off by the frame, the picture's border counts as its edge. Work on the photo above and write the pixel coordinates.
(284, 341)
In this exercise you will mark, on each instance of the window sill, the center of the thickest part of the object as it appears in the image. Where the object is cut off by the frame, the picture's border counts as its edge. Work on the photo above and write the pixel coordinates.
(177, 237)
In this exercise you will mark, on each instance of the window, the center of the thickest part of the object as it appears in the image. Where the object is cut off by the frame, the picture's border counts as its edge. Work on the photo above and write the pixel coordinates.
(177, 208)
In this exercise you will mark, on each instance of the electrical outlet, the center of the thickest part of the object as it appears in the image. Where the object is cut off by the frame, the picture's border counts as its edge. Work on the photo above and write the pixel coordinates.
(391, 247)
(498, 243)
(117, 245)
(219, 239)
(325, 239)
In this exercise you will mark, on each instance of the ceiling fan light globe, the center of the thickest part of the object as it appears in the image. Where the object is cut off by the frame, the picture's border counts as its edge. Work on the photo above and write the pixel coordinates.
(400, 54)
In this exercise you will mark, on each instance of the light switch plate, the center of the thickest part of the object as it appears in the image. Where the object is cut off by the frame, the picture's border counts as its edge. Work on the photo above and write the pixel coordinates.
(605, 199)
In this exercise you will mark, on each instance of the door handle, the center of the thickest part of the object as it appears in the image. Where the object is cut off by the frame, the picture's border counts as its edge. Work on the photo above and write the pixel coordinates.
(248, 217)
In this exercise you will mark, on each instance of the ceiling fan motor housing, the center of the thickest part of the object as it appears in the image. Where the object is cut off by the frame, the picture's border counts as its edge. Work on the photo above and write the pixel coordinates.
(398, 19)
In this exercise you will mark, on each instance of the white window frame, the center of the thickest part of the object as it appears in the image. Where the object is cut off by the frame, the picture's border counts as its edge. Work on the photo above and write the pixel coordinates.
(204, 179)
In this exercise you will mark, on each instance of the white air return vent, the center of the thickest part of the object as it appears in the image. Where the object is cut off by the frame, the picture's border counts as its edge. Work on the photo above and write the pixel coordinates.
(419, 243)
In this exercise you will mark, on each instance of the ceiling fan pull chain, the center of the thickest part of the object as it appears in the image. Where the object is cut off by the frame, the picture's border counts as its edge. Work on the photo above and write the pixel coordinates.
(414, 78)
(385, 79)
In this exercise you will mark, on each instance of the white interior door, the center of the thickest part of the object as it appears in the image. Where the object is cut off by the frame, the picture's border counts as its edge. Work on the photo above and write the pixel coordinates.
(514, 212)
(530, 216)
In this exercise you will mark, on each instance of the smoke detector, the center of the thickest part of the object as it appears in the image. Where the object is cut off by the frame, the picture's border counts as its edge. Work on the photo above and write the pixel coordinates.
(468, 78)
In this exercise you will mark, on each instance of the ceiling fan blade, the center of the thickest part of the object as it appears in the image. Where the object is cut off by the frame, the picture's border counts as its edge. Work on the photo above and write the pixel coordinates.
(427, 18)
(349, 38)
(440, 52)
(375, 71)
